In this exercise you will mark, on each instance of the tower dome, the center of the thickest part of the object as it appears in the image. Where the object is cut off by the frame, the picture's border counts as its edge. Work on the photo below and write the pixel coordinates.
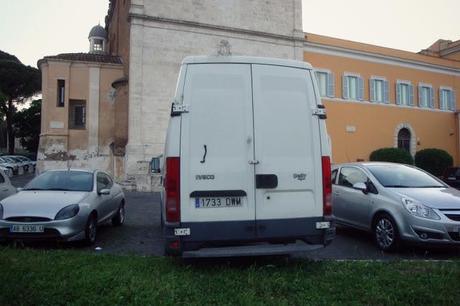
(97, 39)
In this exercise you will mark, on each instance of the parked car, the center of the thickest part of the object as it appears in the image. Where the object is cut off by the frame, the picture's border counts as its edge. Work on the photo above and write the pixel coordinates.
(21, 163)
(62, 205)
(452, 177)
(234, 183)
(10, 163)
(30, 163)
(397, 203)
(6, 188)
(8, 171)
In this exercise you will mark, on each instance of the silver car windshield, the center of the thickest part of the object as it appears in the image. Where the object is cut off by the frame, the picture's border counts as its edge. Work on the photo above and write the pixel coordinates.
(62, 180)
(400, 176)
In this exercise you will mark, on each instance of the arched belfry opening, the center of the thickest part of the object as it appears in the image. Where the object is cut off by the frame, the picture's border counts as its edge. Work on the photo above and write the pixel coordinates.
(97, 39)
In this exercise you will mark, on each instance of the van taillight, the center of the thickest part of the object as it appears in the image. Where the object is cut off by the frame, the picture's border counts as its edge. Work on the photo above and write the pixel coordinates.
(172, 189)
(327, 186)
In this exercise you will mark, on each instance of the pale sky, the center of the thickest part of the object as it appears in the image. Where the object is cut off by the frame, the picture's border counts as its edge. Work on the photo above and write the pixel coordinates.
(31, 29)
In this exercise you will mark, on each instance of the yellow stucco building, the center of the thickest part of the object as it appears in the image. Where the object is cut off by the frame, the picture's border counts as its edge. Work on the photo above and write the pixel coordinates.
(379, 97)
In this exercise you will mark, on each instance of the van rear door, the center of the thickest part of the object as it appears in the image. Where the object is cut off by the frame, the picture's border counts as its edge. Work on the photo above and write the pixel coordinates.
(217, 181)
(288, 151)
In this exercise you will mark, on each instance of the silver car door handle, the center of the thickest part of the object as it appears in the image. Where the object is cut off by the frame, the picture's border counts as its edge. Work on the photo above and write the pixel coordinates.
(336, 193)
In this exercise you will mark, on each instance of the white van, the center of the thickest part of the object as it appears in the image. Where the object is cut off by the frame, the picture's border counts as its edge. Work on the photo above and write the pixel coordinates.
(247, 160)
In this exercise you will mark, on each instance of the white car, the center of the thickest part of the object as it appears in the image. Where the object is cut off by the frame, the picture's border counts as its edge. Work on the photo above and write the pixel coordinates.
(21, 163)
(247, 160)
(6, 188)
(7, 171)
(28, 163)
(64, 205)
(10, 164)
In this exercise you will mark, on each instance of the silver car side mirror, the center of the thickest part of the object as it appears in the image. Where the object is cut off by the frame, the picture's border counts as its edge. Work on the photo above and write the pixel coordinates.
(104, 192)
(360, 186)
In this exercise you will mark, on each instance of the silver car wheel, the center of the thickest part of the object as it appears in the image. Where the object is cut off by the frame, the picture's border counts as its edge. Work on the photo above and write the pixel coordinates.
(385, 233)
(122, 214)
(92, 228)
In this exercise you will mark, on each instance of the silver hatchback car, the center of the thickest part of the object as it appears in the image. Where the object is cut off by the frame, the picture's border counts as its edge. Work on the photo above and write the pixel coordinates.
(62, 205)
(396, 202)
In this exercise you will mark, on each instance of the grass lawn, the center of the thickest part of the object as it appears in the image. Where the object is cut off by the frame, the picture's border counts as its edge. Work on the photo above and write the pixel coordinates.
(54, 277)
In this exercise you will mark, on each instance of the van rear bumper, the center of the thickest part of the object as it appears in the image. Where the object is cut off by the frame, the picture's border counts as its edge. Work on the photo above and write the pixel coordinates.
(252, 250)
(248, 238)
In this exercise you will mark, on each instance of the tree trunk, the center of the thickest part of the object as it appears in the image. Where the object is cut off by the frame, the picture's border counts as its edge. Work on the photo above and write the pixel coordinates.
(9, 127)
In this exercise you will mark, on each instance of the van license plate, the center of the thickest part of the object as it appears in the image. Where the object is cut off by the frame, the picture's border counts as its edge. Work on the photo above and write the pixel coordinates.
(26, 228)
(218, 202)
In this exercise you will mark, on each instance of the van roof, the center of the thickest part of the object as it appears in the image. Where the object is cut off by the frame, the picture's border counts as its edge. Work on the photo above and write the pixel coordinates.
(246, 60)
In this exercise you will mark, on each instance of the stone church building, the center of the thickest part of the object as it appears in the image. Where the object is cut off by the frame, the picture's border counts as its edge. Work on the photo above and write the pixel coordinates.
(109, 108)
(136, 58)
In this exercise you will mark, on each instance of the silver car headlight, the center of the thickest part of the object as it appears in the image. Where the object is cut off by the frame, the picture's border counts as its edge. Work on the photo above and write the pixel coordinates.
(417, 209)
(1, 211)
(67, 212)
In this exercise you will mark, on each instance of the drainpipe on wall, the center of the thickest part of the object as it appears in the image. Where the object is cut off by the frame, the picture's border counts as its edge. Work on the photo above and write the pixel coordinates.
(457, 127)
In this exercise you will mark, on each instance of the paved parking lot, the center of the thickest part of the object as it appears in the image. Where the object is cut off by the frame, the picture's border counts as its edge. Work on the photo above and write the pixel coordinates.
(141, 235)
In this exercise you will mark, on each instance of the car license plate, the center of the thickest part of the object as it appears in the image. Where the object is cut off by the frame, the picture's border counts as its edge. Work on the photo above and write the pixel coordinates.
(27, 228)
(182, 231)
(218, 202)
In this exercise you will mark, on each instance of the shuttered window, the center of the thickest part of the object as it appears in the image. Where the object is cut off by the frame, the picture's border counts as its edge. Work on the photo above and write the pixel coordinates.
(378, 90)
(326, 84)
(425, 96)
(404, 93)
(447, 100)
(352, 87)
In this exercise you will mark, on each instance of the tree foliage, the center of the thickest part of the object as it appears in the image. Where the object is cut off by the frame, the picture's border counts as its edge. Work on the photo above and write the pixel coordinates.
(17, 83)
(393, 155)
(27, 126)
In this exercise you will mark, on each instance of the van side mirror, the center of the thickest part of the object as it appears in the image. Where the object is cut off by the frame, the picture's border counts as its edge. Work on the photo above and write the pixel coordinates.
(361, 186)
(155, 165)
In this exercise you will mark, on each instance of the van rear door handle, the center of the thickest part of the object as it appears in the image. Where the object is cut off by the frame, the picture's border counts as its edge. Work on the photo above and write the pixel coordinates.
(253, 162)
(266, 181)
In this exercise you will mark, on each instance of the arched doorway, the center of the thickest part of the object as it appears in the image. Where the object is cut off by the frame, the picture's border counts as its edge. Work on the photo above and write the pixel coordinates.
(404, 139)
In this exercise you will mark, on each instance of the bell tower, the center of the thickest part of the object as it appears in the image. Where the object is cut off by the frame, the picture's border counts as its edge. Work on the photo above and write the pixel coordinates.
(97, 40)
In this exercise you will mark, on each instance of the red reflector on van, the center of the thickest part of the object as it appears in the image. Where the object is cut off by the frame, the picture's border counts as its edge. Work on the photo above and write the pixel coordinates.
(172, 189)
(174, 245)
(327, 186)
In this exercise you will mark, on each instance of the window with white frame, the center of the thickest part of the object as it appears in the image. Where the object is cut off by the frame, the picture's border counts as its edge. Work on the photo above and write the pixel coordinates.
(325, 81)
(425, 96)
(447, 99)
(404, 93)
(352, 87)
(378, 90)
